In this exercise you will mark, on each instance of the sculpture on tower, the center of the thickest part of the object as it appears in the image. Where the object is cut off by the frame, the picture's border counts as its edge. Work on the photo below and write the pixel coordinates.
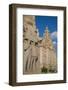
(31, 61)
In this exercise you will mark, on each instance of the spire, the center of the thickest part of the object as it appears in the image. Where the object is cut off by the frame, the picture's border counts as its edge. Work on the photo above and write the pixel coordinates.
(47, 41)
(46, 33)
(46, 28)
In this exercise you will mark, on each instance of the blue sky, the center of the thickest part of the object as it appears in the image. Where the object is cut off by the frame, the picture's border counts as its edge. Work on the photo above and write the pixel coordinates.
(51, 23)
(43, 21)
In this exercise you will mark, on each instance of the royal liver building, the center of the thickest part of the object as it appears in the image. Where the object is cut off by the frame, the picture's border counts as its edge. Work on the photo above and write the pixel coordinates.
(39, 53)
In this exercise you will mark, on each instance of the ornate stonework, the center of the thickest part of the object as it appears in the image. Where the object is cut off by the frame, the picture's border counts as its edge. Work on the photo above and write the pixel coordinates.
(48, 52)
(38, 53)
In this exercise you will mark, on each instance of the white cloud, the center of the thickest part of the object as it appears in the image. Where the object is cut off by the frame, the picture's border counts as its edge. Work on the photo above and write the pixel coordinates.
(54, 42)
(54, 35)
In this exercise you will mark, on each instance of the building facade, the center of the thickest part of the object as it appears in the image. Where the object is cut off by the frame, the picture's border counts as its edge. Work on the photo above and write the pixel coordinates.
(49, 59)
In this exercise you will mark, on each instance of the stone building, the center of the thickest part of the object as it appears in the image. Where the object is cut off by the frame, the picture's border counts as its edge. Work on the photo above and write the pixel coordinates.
(31, 61)
(48, 54)
(39, 53)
